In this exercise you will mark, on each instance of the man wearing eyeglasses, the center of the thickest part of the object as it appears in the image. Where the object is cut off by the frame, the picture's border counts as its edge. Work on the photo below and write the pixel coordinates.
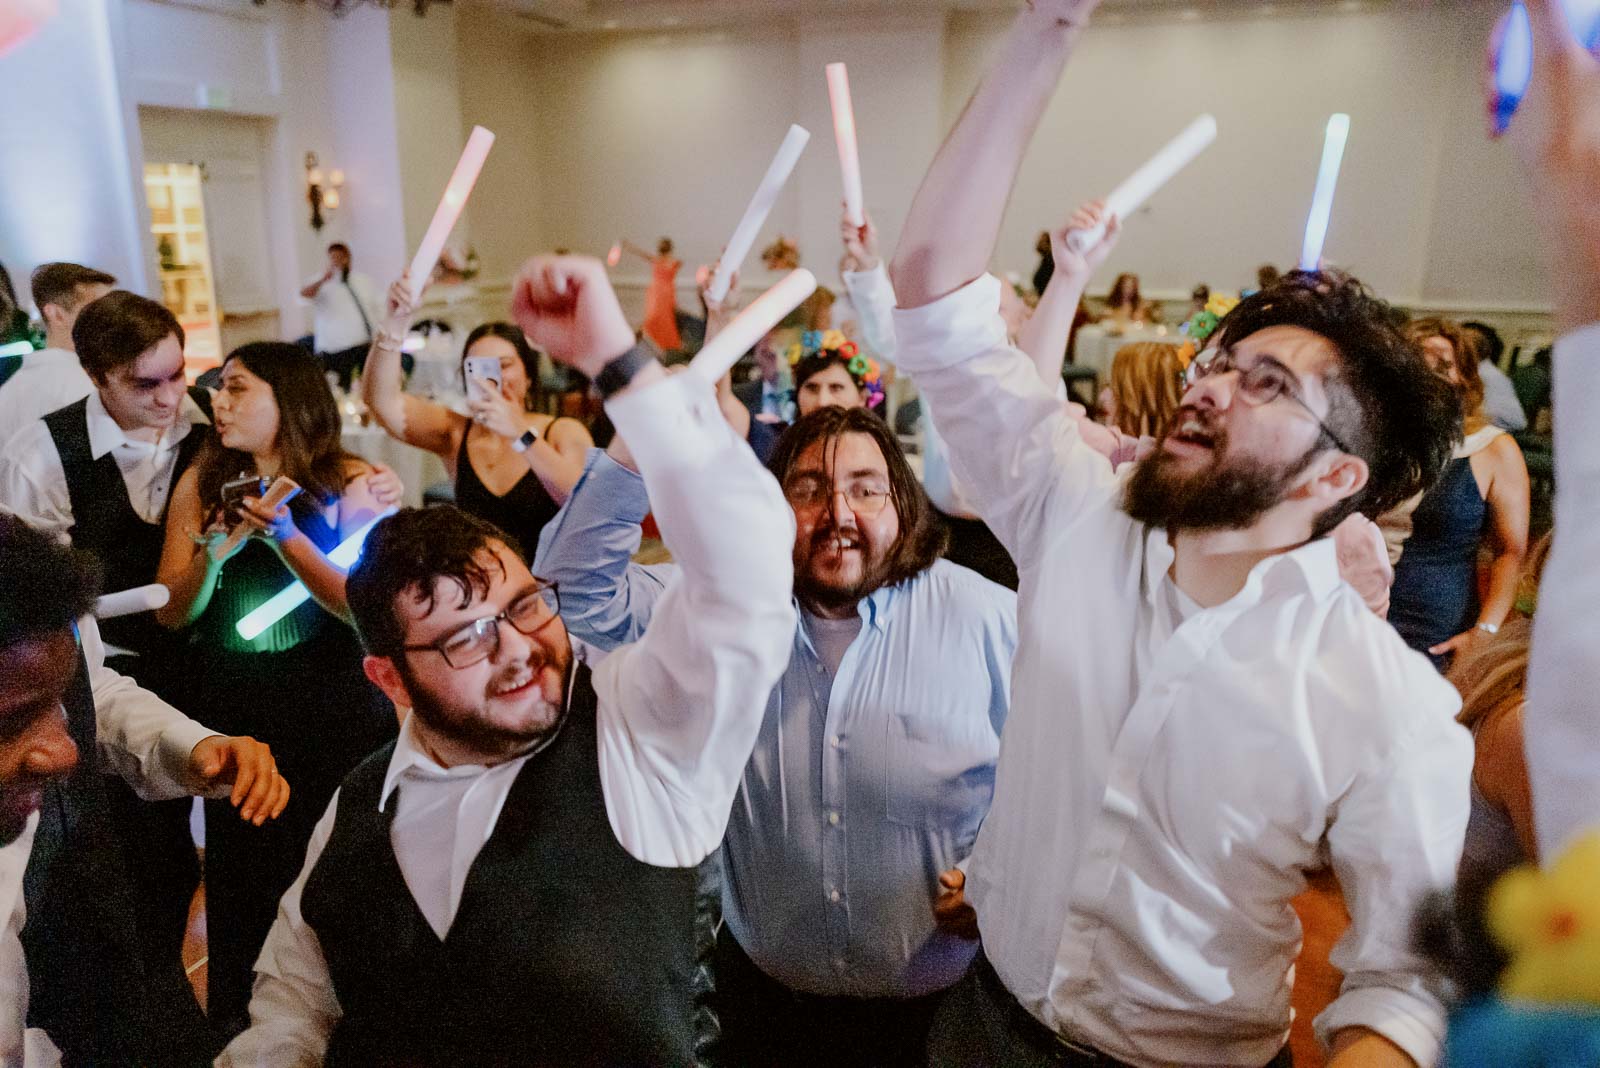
(1202, 710)
(874, 765)
(515, 881)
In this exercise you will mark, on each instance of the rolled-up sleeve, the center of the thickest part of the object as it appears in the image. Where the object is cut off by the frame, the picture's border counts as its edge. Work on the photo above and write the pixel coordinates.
(873, 296)
(1396, 836)
(587, 549)
(1016, 450)
(680, 708)
(1562, 723)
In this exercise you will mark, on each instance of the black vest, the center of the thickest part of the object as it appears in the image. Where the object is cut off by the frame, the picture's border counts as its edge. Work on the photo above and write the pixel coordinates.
(104, 522)
(88, 985)
(566, 951)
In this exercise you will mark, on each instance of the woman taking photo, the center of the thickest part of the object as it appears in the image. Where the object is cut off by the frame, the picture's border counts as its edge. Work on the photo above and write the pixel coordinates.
(299, 685)
(512, 467)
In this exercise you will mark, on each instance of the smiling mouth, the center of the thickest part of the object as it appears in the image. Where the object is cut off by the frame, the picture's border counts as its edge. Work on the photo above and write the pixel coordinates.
(1192, 433)
(518, 686)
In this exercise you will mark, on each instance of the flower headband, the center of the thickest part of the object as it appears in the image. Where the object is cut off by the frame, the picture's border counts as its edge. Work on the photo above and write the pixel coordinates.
(1202, 325)
(833, 343)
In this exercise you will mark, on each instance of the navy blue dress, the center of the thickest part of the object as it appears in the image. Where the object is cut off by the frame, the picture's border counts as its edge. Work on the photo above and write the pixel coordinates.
(1435, 593)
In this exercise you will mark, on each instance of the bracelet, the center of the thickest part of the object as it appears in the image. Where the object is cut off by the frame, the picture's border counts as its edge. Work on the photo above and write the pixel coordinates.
(1489, 628)
(615, 375)
(387, 341)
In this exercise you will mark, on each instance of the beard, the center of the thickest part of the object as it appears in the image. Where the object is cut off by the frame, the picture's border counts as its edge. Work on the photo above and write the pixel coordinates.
(1223, 495)
(825, 587)
(475, 727)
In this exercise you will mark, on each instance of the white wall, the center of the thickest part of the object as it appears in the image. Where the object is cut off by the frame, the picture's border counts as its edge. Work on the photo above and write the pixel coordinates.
(69, 189)
(427, 110)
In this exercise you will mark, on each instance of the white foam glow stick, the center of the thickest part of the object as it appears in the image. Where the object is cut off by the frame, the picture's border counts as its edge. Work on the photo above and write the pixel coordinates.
(752, 324)
(844, 133)
(1143, 183)
(131, 602)
(1322, 200)
(344, 556)
(744, 235)
(445, 215)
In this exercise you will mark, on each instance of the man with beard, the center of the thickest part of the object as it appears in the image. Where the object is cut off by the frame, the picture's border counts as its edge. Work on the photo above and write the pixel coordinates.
(1203, 711)
(875, 763)
(515, 880)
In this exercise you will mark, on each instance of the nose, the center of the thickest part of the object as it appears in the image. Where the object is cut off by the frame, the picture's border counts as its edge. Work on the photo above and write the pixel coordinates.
(171, 394)
(513, 646)
(51, 750)
(1213, 391)
(839, 507)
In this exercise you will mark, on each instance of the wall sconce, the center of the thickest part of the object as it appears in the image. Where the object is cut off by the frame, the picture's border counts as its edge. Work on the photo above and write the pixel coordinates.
(322, 192)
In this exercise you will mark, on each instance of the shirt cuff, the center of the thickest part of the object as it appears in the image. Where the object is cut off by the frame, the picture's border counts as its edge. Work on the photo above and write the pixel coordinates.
(177, 746)
(1413, 1023)
(1576, 390)
(952, 329)
(674, 423)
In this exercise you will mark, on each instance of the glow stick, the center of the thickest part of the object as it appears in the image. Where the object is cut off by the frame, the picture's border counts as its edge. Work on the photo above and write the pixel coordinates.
(614, 257)
(1322, 199)
(16, 348)
(794, 142)
(1140, 186)
(751, 325)
(844, 133)
(445, 215)
(20, 19)
(344, 556)
(131, 602)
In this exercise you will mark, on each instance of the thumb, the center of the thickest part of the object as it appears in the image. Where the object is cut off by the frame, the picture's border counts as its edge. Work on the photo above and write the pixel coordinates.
(953, 879)
(211, 766)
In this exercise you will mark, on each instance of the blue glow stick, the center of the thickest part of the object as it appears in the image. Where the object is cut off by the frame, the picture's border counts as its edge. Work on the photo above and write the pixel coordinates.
(344, 556)
(1322, 200)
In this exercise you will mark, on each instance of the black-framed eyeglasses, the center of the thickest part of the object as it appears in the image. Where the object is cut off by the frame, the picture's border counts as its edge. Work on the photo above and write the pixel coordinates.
(475, 642)
(865, 496)
(1261, 384)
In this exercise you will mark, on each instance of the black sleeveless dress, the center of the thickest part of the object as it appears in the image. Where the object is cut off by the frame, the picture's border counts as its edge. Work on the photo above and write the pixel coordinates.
(522, 511)
(1435, 592)
(300, 688)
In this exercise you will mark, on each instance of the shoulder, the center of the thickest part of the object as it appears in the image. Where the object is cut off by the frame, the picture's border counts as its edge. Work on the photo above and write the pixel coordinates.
(963, 591)
(1376, 683)
(565, 429)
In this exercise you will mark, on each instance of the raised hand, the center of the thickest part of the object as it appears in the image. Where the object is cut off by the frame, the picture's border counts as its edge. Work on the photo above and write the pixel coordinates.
(860, 243)
(493, 410)
(1087, 217)
(566, 306)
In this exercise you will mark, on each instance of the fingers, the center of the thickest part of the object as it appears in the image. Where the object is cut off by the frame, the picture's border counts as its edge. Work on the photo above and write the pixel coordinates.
(1551, 34)
(1452, 645)
(954, 879)
(279, 798)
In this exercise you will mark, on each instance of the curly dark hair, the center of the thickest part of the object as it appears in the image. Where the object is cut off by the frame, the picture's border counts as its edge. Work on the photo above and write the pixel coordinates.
(922, 534)
(44, 587)
(418, 551)
(1384, 402)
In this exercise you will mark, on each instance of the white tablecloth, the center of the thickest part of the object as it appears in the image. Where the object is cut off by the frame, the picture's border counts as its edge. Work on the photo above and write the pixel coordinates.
(1096, 347)
(417, 468)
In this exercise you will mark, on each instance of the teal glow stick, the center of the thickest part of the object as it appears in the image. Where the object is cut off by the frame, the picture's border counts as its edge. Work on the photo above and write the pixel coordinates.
(344, 556)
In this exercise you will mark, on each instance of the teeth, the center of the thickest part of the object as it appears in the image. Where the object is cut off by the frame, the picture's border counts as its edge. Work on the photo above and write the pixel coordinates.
(518, 683)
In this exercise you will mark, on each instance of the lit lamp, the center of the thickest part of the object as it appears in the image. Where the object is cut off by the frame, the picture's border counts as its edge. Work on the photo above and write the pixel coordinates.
(322, 192)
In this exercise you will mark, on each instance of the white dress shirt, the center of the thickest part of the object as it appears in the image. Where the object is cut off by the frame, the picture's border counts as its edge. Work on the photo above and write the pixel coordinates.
(677, 716)
(148, 743)
(1161, 792)
(33, 484)
(47, 380)
(338, 309)
(1562, 714)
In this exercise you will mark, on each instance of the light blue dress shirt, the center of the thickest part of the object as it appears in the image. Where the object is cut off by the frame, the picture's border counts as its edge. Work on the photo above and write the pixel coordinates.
(862, 788)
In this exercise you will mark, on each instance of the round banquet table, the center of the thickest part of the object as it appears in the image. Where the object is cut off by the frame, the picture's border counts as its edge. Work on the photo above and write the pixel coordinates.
(1096, 346)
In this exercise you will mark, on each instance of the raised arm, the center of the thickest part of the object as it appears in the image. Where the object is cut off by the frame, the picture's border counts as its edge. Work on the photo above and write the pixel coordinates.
(950, 233)
(1045, 335)
(1556, 134)
(310, 289)
(679, 709)
(411, 419)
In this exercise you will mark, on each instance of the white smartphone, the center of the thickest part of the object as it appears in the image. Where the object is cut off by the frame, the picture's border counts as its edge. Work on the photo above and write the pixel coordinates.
(1513, 61)
(485, 367)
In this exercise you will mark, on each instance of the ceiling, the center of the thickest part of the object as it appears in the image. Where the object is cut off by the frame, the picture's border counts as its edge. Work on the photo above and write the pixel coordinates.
(657, 15)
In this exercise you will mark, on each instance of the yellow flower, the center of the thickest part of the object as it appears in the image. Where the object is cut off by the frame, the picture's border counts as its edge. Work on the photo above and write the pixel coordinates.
(1220, 305)
(1549, 921)
(833, 339)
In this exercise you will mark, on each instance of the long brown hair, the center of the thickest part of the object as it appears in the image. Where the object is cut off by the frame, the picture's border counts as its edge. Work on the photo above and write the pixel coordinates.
(1125, 281)
(309, 426)
(1466, 359)
(922, 535)
(1145, 383)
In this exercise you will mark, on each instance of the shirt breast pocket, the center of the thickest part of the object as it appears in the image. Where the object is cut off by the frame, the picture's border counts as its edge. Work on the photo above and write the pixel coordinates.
(940, 772)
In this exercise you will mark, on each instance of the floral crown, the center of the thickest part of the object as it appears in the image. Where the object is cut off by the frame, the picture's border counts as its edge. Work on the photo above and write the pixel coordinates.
(833, 343)
(1202, 324)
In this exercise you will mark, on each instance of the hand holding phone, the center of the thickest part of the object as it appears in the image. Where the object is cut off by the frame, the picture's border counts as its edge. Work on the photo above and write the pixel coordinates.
(482, 368)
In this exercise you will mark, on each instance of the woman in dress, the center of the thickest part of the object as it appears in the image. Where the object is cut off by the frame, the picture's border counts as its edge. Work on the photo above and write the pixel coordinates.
(299, 684)
(1479, 502)
(661, 299)
(512, 466)
(1124, 305)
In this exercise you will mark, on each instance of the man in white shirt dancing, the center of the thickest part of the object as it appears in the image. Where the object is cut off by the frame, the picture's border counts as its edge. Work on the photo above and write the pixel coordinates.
(516, 880)
(37, 383)
(1201, 711)
(345, 306)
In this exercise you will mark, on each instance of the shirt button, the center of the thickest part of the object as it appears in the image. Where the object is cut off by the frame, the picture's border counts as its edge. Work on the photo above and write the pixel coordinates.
(833, 819)
(833, 896)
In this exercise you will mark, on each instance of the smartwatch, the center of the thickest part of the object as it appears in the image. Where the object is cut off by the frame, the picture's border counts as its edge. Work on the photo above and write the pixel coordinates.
(525, 442)
(616, 375)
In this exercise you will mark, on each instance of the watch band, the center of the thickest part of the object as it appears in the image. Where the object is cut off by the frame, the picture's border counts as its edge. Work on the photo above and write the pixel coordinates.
(525, 442)
(619, 372)
(1489, 628)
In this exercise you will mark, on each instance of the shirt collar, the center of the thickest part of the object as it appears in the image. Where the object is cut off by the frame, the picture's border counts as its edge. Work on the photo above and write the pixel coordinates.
(874, 609)
(1315, 562)
(105, 434)
(408, 754)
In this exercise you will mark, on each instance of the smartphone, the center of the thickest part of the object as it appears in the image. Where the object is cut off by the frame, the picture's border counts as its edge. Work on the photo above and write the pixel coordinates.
(1513, 59)
(237, 490)
(487, 367)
